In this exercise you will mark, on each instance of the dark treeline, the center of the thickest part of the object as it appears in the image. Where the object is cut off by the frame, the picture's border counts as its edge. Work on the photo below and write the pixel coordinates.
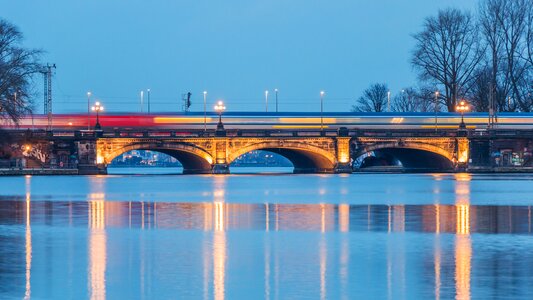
(485, 58)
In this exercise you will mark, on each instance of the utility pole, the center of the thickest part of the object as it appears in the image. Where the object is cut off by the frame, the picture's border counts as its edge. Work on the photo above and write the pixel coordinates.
(148, 100)
(47, 93)
(276, 90)
(142, 100)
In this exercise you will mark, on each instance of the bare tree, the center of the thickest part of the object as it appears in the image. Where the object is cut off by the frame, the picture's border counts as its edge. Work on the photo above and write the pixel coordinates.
(447, 52)
(529, 36)
(513, 22)
(17, 65)
(490, 12)
(407, 100)
(482, 89)
(374, 99)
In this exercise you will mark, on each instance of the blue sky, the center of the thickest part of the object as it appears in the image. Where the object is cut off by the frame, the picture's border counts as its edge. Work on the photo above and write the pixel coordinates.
(233, 49)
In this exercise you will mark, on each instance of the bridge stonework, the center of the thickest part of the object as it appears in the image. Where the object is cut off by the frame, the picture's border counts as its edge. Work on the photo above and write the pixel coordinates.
(215, 154)
(454, 149)
(78, 152)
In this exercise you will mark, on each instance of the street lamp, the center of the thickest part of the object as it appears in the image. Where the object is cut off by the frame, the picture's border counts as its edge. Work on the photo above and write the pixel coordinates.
(276, 90)
(220, 108)
(88, 110)
(436, 108)
(142, 100)
(266, 100)
(97, 108)
(388, 101)
(148, 100)
(205, 110)
(462, 107)
(322, 110)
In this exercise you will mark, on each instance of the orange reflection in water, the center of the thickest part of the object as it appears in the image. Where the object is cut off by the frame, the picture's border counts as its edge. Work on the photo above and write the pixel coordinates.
(97, 249)
(344, 217)
(28, 248)
(463, 244)
(219, 240)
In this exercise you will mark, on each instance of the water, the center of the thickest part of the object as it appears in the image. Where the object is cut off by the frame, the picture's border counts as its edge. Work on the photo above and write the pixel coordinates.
(272, 236)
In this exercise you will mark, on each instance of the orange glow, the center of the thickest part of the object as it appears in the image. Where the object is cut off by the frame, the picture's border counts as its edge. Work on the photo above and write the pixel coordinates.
(437, 269)
(323, 266)
(344, 217)
(298, 126)
(219, 265)
(397, 120)
(463, 257)
(463, 219)
(97, 249)
(27, 293)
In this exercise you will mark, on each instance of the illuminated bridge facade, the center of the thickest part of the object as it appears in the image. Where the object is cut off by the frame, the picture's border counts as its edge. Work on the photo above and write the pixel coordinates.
(327, 151)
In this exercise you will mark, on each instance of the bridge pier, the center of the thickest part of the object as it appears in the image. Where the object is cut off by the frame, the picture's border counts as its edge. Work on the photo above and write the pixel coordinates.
(343, 168)
(220, 169)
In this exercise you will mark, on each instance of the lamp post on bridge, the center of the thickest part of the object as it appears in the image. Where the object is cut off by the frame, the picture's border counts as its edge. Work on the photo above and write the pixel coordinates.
(205, 110)
(266, 101)
(88, 110)
(276, 91)
(220, 108)
(97, 108)
(462, 107)
(436, 108)
(322, 110)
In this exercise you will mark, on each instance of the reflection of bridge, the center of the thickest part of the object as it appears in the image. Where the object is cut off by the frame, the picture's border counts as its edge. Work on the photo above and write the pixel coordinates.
(317, 151)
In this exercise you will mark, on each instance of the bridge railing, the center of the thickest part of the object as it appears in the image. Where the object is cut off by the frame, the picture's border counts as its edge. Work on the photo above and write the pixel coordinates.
(352, 132)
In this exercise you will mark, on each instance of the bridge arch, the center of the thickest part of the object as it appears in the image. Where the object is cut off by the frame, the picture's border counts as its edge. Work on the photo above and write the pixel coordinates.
(193, 159)
(304, 157)
(412, 155)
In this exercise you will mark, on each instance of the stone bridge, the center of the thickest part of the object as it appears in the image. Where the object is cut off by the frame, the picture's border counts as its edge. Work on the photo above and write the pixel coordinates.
(215, 154)
(89, 152)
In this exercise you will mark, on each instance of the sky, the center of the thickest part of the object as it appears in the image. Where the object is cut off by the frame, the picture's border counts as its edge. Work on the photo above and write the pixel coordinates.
(234, 50)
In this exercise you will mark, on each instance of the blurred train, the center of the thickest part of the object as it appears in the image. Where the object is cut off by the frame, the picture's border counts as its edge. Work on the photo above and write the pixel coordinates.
(273, 121)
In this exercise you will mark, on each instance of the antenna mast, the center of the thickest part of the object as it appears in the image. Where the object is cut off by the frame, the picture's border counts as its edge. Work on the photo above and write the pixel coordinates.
(47, 75)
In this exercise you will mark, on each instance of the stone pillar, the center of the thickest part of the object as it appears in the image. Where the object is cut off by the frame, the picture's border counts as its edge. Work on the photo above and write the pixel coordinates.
(220, 165)
(342, 150)
(462, 154)
(87, 158)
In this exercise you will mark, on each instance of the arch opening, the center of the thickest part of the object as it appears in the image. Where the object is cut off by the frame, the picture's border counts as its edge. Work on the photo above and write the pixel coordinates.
(304, 158)
(403, 159)
(189, 159)
(261, 161)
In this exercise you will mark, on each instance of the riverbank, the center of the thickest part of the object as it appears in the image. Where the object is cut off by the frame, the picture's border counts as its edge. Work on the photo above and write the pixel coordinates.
(22, 172)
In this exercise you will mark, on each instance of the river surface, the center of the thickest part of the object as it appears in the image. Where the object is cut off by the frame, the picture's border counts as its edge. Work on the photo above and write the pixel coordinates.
(266, 236)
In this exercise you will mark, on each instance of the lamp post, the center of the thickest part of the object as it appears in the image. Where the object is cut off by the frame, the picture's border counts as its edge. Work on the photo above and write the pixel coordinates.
(148, 100)
(322, 110)
(97, 108)
(462, 107)
(436, 108)
(205, 110)
(142, 100)
(276, 90)
(88, 110)
(220, 108)
(388, 101)
(266, 101)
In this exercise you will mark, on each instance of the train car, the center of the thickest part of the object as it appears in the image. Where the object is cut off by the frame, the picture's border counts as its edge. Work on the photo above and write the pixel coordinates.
(273, 121)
